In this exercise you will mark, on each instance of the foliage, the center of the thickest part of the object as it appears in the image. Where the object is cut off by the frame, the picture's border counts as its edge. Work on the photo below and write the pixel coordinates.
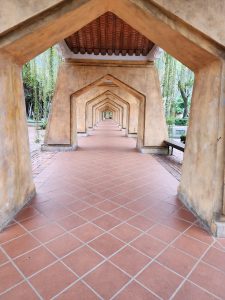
(43, 124)
(183, 138)
(176, 86)
(39, 77)
(181, 122)
(170, 121)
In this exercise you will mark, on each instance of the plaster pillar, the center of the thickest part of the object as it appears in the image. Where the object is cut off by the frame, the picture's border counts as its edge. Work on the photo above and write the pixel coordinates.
(202, 181)
(16, 183)
(61, 132)
(155, 130)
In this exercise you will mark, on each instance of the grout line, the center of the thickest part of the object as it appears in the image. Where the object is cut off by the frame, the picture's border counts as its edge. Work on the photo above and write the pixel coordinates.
(76, 213)
(21, 273)
(191, 271)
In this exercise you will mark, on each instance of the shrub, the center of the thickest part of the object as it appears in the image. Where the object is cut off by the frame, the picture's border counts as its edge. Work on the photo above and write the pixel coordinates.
(183, 138)
(181, 122)
(43, 125)
(170, 121)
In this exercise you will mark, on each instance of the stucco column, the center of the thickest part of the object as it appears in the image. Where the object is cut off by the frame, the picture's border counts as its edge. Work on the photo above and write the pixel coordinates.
(155, 130)
(59, 134)
(201, 187)
(16, 183)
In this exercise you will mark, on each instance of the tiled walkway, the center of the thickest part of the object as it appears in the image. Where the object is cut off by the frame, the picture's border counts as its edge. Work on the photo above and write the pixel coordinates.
(106, 224)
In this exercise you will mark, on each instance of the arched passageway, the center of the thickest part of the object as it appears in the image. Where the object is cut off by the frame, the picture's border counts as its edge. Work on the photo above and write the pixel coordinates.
(171, 26)
(126, 110)
(106, 221)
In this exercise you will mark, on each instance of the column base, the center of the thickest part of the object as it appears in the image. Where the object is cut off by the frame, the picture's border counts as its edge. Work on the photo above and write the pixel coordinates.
(184, 199)
(82, 134)
(58, 148)
(218, 226)
(7, 217)
(154, 150)
(132, 135)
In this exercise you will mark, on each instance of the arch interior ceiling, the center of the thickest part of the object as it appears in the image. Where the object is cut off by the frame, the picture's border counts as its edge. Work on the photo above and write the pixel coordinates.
(110, 35)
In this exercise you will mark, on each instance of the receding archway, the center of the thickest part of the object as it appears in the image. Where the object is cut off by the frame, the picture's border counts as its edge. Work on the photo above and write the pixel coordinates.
(110, 103)
(115, 98)
(52, 135)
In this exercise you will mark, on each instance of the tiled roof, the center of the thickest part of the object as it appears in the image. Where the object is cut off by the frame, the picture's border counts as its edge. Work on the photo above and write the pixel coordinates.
(109, 34)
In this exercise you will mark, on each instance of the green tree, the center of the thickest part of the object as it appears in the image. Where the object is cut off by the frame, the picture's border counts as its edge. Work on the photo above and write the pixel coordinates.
(185, 85)
(39, 77)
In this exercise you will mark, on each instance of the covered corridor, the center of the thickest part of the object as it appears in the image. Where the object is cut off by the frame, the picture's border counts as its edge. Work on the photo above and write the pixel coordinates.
(107, 221)
(106, 224)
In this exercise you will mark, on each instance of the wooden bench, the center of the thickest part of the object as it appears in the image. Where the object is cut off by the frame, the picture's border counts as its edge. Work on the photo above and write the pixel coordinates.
(174, 144)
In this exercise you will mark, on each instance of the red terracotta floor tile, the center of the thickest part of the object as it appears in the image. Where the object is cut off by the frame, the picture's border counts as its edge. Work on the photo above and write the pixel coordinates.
(107, 222)
(199, 234)
(176, 224)
(108, 193)
(139, 205)
(48, 232)
(63, 244)
(164, 233)
(34, 261)
(3, 258)
(221, 241)
(20, 245)
(53, 211)
(63, 198)
(20, 292)
(125, 232)
(184, 214)
(71, 222)
(9, 276)
(69, 193)
(210, 279)
(160, 280)
(107, 206)
(25, 213)
(93, 199)
(50, 281)
(11, 232)
(177, 261)
(190, 246)
(79, 291)
(87, 232)
(217, 245)
(82, 260)
(122, 213)
(148, 245)
(90, 213)
(78, 205)
(135, 291)
(130, 260)
(121, 200)
(141, 222)
(106, 280)
(215, 258)
(189, 291)
(35, 222)
(106, 244)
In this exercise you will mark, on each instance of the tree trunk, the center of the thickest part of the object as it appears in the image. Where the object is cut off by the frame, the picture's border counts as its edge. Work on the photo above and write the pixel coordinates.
(185, 99)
